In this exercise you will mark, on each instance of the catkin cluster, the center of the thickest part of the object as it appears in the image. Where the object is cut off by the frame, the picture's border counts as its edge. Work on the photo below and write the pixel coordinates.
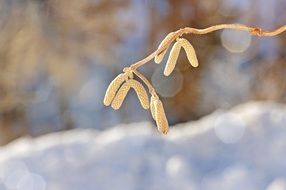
(118, 89)
(174, 53)
(120, 86)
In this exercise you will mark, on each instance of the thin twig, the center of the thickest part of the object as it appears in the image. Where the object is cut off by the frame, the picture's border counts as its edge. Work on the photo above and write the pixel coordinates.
(158, 109)
(144, 79)
(256, 31)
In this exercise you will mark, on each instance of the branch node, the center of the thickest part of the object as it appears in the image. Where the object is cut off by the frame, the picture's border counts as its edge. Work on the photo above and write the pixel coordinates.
(256, 32)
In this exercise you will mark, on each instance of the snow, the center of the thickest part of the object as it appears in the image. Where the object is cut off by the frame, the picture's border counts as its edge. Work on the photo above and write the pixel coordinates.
(241, 148)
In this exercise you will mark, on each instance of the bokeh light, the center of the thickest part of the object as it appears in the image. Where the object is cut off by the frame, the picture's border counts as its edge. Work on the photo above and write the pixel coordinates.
(277, 184)
(31, 181)
(177, 166)
(235, 41)
(167, 86)
(229, 128)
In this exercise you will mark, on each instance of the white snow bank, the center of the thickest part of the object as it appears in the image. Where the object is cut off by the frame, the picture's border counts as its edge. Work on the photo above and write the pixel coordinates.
(244, 148)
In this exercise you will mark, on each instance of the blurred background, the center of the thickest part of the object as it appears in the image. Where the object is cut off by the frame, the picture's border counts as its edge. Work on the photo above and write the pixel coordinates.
(57, 58)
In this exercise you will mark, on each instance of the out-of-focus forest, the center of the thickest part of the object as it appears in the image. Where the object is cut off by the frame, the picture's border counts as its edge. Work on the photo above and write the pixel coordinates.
(57, 58)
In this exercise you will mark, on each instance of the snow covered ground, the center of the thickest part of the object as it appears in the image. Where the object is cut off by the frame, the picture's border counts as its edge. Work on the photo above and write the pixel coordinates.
(243, 148)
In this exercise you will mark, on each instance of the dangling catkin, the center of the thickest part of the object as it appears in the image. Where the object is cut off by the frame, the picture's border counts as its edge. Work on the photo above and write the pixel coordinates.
(158, 58)
(120, 96)
(161, 120)
(141, 93)
(171, 63)
(122, 92)
(152, 107)
(112, 89)
(190, 51)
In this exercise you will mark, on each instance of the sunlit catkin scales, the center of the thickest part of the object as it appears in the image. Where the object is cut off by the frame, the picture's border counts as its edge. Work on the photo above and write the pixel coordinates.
(161, 120)
(120, 96)
(190, 51)
(141, 93)
(158, 58)
(122, 92)
(112, 89)
(171, 63)
(152, 106)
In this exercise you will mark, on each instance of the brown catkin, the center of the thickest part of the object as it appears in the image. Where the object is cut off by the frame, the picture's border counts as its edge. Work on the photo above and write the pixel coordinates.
(112, 89)
(158, 58)
(122, 92)
(171, 63)
(161, 120)
(190, 51)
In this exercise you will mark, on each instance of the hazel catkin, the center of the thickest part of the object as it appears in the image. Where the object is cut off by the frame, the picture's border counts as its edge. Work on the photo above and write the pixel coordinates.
(171, 63)
(152, 106)
(161, 120)
(122, 92)
(190, 51)
(158, 58)
(112, 89)
(120, 96)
